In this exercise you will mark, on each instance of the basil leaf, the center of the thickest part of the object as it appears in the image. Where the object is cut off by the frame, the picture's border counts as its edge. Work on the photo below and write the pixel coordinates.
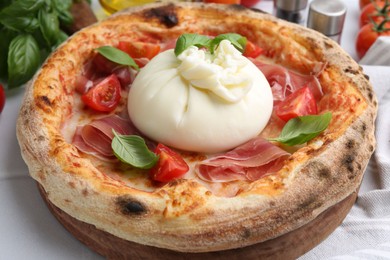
(5, 39)
(62, 36)
(27, 23)
(237, 41)
(23, 59)
(132, 149)
(117, 56)
(301, 129)
(63, 9)
(190, 39)
(20, 8)
(49, 25)
(4, 3)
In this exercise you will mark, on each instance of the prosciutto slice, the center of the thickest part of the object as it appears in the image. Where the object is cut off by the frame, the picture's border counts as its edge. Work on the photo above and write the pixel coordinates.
(250, 161)
(95, 138)
(284, 82)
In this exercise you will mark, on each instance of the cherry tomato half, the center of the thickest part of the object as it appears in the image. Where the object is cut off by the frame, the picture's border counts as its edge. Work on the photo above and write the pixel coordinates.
(2, 98)
(368, 35)
(170, 165)
(299, 103)
(375, 11)
(104, 96)
(140, 49)
(252, 50)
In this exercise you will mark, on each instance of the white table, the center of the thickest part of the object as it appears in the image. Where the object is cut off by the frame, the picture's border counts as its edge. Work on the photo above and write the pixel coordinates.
(27, 228)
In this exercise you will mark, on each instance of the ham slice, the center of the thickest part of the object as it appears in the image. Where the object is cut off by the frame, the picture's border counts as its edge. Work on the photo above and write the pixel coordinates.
(250, 161)
(284, 82)
(95, 138)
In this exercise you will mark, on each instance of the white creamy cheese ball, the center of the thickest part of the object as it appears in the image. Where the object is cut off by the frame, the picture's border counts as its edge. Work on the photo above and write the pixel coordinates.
(201, 102)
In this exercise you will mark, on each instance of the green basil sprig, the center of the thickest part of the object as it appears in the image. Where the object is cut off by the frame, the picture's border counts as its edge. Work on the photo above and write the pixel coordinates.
(50, 26)
(301, 129)
(202, 41)
(191, 39)
(23, 59)
(117, 56)
(238, 41)
(29, 28)
(132, 149)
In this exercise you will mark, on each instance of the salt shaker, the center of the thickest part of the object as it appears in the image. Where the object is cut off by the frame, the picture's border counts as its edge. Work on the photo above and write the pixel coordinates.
(290, 10)
(327, 17)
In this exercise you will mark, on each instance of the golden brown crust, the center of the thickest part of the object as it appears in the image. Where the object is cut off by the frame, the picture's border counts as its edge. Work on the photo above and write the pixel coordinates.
(184, 215)
(288, 246)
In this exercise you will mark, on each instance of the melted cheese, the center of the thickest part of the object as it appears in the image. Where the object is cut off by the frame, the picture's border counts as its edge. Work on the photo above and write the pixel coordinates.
(200, 102)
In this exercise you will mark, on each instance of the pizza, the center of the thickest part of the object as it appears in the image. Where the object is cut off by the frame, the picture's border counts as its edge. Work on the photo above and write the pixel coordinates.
(218, 173)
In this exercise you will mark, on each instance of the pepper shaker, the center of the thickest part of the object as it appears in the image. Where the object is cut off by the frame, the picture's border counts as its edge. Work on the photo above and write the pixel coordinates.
(327, 17)
(290, 10)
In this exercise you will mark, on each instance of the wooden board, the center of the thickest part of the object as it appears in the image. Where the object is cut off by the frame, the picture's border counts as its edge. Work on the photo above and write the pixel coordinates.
(287, 246)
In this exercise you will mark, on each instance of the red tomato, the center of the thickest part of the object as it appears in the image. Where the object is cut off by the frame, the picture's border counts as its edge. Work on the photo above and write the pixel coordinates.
(368, 35)
(2, 98)
(105, 96)
(249, 3)
(222, 1)
(375, 11)
(140, 49)
(299, 103)
(363, 3)
(170, 165)
(252, 50)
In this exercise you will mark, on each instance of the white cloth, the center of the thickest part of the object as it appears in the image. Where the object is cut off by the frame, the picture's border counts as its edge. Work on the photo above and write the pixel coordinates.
(365, 232)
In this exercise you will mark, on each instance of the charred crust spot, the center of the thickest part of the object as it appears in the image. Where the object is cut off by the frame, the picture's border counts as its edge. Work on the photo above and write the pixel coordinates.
(310, 203)
(359, 166)
(370, 96)
(324, 173)
(350, 144)
(85, 192)
(41, 138)
(364, 127)
(348, 162)
(129, 206)
(246, 233)
(45, 100)
(72, 184)
(318, 171)
(44, 103)
(350, 70)
(366, 76)
(371, 148)
(165, 14)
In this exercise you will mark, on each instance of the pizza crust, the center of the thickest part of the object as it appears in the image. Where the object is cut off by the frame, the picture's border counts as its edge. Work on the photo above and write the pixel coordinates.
(184, 215)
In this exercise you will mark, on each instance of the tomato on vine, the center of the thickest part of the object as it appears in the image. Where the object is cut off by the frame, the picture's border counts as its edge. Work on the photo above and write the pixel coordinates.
(368, 35)
(363, 3)
(375, 12)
